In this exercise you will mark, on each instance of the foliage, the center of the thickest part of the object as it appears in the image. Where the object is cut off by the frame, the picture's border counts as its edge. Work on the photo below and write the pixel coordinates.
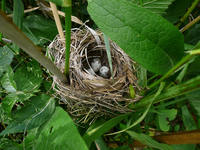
(147, 30)
(148, 47)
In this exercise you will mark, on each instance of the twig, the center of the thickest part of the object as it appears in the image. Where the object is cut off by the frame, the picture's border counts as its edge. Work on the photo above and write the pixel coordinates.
(48, 9)
(27, 11)
(57, 20)
(190, 24)
(194, 4)
(13, 33)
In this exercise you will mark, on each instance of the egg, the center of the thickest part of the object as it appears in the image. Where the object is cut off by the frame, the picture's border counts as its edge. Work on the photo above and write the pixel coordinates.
(104, 71)
(96, 64)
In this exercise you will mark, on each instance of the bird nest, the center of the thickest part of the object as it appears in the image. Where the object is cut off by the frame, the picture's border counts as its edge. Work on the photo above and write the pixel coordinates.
(90, 93)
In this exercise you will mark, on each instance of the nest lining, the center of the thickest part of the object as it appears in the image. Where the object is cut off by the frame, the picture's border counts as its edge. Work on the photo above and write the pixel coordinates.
(90, 96)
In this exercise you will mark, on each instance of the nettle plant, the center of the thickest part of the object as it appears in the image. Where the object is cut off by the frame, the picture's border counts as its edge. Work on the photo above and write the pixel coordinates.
(168, 74)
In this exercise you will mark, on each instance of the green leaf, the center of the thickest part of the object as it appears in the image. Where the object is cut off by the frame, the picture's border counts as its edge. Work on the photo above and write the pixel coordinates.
(39, 29)
(184, 147)
(18, 15)
(6, 56)
(8, 82)
(60, 133)
(100, 143)
(177, 9)
(147, 140)
(28, 77)
(194, 99)
(188, 120)
(32, 115)
(192, 35)
(156, 6)
(8, 103)
(96, 131)
(63, 3)
(143, 35)
(164, 117)
(11, 99)
(192, 70)
(141, 118)
(7, 144)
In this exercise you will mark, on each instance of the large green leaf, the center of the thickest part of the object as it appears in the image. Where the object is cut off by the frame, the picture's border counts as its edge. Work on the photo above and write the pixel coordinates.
(6, 56)
(32, 115)
(156, 6)
(60, 133)
(146, 37)
(147, 140)
(28, 77)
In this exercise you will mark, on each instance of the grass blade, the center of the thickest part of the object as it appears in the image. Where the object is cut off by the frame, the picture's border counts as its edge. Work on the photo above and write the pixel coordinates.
(145, 112)
(147, 140)
(107, 44)
(172, 92)
(93, 133)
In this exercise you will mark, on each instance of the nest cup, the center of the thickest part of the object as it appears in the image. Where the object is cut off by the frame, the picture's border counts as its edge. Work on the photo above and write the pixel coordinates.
(90, 95)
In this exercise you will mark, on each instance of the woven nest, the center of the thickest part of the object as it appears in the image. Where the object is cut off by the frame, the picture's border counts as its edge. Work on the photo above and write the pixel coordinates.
(89, 95)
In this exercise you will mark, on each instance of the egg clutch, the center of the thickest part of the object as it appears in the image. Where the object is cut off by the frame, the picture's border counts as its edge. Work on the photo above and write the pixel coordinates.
(96, 68)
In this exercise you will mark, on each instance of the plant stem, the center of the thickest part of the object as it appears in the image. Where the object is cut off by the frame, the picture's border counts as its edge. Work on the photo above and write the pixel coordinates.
(190, 24)
(3, 5)
(57, 20)
(11, 31)
(171, 71)
(3, 8)
(178, 90)
(194, 4)
(68, 13)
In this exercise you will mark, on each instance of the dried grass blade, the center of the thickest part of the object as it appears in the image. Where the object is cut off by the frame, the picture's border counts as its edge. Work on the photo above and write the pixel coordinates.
(107, 44)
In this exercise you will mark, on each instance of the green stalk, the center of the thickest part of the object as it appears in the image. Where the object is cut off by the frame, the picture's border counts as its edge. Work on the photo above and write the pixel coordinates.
(3, 5)
(3, 8)
(171, 71)
(194, 4)
(178, 90)
(68, 12)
